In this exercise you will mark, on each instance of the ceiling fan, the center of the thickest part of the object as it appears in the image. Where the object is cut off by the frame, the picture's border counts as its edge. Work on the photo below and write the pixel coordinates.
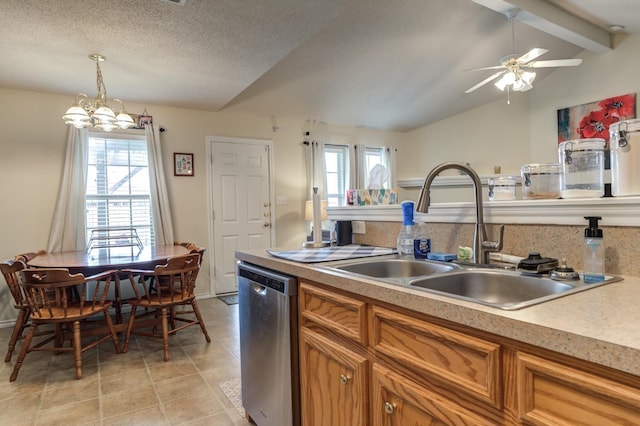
(513, 68)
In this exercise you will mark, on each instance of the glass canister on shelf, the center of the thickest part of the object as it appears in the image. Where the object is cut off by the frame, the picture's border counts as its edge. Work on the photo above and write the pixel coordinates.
(540, 181)
(582, 162)
(502, 188)
(624, 145)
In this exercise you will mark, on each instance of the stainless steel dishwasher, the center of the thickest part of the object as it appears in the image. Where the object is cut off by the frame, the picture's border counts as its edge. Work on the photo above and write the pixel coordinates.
(268, 345)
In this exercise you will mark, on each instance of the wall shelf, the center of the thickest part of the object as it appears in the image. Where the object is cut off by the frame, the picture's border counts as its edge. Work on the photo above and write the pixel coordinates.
(447, 181)
(621, 211)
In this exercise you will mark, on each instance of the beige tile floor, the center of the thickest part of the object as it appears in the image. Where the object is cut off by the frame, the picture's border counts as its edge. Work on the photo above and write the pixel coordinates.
(136, 388)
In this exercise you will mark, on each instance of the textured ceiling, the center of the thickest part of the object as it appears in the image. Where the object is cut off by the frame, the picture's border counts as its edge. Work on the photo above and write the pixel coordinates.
(389, 64)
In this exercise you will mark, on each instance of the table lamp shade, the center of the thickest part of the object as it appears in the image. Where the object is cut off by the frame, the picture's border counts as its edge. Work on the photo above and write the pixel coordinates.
(308, 210)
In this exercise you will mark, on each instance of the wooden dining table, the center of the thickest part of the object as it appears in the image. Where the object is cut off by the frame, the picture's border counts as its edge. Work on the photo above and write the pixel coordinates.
(100, 260)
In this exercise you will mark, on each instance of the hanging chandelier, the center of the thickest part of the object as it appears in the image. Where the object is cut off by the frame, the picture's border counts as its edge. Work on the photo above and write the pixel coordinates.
(98, 114)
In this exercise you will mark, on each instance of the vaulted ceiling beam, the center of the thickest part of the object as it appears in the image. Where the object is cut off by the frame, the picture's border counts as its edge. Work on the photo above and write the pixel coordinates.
(555, 21)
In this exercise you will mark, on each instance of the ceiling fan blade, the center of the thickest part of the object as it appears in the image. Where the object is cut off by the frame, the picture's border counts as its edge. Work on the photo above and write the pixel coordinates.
(485, 81)
(531, 55)
(496, 67)
(554, 63)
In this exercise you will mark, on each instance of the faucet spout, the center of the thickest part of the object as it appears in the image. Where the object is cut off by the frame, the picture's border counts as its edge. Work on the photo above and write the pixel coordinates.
(480, 254)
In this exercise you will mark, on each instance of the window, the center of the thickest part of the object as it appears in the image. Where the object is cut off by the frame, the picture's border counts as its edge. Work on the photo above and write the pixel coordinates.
(118, 187)
(336, 160)
(373, 156)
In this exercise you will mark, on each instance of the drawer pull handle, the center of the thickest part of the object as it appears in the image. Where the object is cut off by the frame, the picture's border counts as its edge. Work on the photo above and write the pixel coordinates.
(344, 379)
(389, 407)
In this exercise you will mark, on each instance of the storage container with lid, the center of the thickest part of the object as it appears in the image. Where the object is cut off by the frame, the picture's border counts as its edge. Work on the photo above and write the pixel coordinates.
(582, 162)
(540, 180)
(502, 188)
(624, 145)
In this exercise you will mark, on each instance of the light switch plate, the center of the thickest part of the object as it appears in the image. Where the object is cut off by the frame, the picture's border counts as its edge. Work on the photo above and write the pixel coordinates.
(357, 227)
(282, 200)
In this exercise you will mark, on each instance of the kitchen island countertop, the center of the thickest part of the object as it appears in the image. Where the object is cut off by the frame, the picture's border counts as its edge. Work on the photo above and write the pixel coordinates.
(600, 325)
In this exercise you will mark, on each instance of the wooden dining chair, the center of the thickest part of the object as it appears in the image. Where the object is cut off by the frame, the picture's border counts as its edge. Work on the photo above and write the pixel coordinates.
(26, 257)
(56, 297)
(10, 269)
(177, 283)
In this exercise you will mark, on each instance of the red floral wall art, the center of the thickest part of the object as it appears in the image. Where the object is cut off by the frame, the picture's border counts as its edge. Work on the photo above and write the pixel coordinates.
(592, 120)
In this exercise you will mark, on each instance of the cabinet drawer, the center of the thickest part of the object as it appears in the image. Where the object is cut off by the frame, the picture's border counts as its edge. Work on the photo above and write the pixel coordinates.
(461, 362)
(343, 315)
(550, 393)
(399, 401)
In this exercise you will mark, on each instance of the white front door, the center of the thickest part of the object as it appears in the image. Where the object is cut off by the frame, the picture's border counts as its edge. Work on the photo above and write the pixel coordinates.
(241, 200)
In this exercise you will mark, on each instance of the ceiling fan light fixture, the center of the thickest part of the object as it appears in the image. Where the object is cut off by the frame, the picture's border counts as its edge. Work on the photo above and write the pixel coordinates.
(528, 76)
(501, 84)
(83, 113)
(513, 66)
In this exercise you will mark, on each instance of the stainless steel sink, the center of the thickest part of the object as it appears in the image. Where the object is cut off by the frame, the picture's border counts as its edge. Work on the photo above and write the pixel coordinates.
(390, 268)
(501, 289)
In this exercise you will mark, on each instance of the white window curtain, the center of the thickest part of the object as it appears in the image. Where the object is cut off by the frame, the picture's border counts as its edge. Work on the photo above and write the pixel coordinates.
(390, 159)
(68, 225)
(161, 210)
(68, 228)
(316, 135)
(358, 166)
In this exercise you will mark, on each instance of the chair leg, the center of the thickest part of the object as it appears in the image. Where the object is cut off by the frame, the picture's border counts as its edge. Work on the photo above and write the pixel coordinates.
(23, 352)
(172, 317)
(132, 318)
(165, 333)
(77, 349)
(112, 331)
(196, 311)
(18, 328)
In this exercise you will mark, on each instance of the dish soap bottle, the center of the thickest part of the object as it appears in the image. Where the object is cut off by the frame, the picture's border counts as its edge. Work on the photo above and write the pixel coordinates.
(405, 236)
(593, 261)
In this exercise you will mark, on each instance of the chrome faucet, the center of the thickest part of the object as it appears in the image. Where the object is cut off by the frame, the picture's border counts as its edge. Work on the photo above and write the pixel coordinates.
(481, 247)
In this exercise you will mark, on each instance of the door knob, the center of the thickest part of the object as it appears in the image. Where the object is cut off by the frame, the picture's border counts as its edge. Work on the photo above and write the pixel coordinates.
(344, 379)
(266, 224)
(266, 204)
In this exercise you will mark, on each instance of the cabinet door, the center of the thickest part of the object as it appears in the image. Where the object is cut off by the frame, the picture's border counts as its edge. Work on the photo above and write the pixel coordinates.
(400, 401)
(333, 382)
(551, 393)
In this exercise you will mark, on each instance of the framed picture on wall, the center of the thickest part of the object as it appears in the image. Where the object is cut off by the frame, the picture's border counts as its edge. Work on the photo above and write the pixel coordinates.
(182, 164)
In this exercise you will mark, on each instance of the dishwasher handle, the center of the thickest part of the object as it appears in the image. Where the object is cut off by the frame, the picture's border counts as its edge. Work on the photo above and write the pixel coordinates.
(259, 289)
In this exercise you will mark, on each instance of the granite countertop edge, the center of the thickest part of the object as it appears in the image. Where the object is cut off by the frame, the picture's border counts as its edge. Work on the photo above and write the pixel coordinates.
(599, 325)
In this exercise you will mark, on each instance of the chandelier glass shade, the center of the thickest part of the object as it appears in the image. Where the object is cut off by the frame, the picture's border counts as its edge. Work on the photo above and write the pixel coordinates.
(85, 113)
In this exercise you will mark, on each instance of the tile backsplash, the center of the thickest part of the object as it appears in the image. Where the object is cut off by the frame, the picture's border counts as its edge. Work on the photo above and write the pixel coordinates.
(622, 253)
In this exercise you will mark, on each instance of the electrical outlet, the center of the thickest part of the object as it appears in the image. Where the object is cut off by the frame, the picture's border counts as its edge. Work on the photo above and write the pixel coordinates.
(357, 227)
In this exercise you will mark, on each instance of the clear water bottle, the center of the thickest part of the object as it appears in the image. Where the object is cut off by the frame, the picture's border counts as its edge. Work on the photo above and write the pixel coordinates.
(405, 236)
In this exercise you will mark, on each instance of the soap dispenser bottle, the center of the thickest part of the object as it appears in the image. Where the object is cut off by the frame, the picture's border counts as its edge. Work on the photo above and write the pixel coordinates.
(593, 261)
(405, 236)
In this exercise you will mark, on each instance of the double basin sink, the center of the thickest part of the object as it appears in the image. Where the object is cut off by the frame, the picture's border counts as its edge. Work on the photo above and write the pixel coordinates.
(499, 288)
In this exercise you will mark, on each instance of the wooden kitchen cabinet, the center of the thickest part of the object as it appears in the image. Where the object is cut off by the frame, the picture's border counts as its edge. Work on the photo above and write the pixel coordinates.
(398, 400)
(333, 383)
(333, 375)
(405, 368)
(551, 393)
